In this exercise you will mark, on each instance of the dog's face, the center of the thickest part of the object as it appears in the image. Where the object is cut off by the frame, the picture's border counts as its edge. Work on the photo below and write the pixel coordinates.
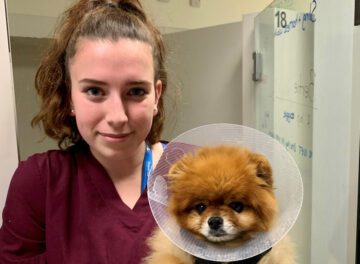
(222, 194)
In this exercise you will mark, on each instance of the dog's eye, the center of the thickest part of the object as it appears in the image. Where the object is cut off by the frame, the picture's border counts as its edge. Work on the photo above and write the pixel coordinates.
(200, 208)
(237, 206)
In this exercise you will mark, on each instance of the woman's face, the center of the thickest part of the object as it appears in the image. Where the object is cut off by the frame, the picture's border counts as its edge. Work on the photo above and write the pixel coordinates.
(113, 94)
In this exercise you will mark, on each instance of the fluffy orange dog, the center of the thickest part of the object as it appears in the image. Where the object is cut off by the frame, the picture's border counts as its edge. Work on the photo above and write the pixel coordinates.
(223, 195)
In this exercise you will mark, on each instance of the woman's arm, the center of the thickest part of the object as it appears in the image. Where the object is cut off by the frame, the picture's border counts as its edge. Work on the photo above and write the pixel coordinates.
(22, 235)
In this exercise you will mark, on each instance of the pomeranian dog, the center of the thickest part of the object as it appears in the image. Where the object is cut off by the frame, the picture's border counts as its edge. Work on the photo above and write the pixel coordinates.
(224, 195)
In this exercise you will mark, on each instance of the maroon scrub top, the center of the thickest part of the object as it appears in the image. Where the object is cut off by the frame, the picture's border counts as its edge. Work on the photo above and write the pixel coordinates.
(62, 207)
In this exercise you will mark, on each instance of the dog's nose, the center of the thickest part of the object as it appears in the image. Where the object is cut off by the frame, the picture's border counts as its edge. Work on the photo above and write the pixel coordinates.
(215, 222)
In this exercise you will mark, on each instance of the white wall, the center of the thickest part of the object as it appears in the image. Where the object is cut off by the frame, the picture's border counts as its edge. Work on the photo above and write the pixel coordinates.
(8, 147)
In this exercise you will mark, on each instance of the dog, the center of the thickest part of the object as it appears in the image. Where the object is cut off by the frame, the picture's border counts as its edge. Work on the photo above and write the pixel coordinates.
(224, 195)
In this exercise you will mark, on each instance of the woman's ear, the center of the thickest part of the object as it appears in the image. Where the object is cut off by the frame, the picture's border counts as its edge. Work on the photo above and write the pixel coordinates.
(68, 84)
(72, 112)
(158, 91)
(72, 109)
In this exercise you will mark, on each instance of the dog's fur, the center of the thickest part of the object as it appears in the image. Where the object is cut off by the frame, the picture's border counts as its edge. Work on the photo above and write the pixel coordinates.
(223, 195)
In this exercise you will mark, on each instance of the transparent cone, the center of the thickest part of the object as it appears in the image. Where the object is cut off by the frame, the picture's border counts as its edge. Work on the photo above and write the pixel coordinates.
(287, 183)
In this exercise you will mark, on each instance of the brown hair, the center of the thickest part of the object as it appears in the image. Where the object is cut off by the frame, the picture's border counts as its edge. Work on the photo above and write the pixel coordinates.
(98, 19)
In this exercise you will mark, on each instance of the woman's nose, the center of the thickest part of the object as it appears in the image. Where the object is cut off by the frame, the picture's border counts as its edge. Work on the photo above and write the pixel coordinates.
(116, 112)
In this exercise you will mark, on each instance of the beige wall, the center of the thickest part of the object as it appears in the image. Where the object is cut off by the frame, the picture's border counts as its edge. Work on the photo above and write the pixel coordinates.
(205, 78)
(38, 7)
(37, 18)
(179, 14)
(26, 54)
(173, 13)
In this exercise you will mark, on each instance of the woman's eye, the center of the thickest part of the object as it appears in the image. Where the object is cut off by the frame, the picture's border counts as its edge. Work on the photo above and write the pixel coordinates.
(138, 92)
(94, 91)
(237, 206)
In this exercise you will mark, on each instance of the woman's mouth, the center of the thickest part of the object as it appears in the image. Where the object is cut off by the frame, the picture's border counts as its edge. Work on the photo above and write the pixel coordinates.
(114, 136)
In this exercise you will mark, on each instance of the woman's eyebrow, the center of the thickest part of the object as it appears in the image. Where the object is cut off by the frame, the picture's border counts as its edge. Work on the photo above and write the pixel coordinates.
(132, 82)
(92, 81)
(138, 82)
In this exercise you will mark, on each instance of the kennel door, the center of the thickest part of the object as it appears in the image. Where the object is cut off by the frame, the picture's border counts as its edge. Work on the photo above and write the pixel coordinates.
(308, 99)
(284, 89)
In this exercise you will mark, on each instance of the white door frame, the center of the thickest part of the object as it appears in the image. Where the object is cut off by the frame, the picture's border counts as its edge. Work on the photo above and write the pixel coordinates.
(8, 142)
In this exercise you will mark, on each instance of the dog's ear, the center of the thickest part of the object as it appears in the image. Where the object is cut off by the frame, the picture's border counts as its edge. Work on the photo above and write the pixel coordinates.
(263, 168)
(180, 167)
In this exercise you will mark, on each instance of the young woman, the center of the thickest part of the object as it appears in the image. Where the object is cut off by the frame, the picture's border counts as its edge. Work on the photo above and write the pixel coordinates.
(100, 85)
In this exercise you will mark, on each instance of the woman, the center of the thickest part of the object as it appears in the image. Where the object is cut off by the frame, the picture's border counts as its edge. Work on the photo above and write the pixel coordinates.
(100, 85)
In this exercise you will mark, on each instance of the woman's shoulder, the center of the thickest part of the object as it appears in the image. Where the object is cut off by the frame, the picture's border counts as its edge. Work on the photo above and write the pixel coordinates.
(32, 188)
(55, 157)
(49, 163)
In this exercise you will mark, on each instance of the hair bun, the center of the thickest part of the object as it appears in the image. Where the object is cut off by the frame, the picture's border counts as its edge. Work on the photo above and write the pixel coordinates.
(130, 6)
